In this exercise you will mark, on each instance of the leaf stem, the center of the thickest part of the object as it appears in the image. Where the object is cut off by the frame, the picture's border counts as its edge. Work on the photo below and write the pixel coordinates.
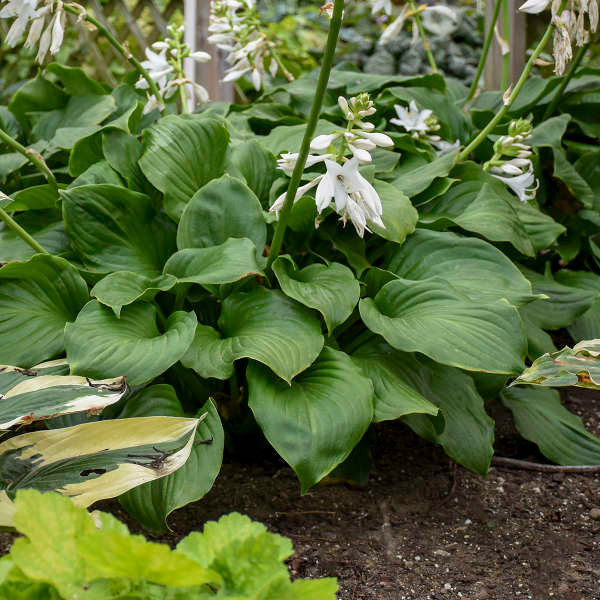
(84, 15)
(566, 80)
(513, 96)
(10, 222)
(32, 156)
(486, 48)
(284, 213)
(423, 35)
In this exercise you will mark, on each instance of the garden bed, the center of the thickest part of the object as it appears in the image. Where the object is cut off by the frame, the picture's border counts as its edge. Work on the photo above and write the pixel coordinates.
(518, 534)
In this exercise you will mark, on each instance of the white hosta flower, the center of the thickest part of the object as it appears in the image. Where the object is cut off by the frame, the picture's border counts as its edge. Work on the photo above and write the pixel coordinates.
(413, 120)
(384, 6)
(534, 7)
(524, 185)
(287, 162)
(322, 142)
(301, 192)
(158, 67)
(395, 27)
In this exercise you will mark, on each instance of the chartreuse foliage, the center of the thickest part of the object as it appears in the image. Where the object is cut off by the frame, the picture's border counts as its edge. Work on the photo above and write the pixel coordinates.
(163, 268)
(68, 553)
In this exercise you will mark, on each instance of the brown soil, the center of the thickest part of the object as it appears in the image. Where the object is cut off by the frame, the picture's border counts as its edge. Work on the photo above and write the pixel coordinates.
(423, 530)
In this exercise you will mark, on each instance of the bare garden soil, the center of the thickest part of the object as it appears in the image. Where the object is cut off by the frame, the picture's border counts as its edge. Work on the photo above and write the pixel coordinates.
(423, 529)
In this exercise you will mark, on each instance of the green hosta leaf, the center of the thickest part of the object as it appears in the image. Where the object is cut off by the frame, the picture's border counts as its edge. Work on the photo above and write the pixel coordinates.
(472, 266)
(242, 551)
(541, 229)
(332, 289)
(38, 94)
(124, 287)
(115, 229)
(263, 325)
(587, 325)
(399, 215)
(98, 173)
(577, 185)
(65, 546)
(75, 81)
(228, 262)
(28, 395)
(315, 421)
(549, 132)
(37, 298)
(394, 396)
(256, 165)
(181, 154)
(288, 138)
(153, 502)
(579, 366)
(101, 345)
(413, 176)
(462, 428)
(564, 303)
(542, 419)
(122, 152)
(94, 460)
(37, 197)
(483, 208)
(433, 318)
(222, 209)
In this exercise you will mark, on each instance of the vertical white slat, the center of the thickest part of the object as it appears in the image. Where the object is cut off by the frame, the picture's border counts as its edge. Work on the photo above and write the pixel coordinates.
(211, 73)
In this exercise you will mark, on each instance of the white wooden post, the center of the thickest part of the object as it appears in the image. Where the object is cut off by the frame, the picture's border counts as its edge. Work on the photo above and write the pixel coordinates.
(518, 45)
(208, 74)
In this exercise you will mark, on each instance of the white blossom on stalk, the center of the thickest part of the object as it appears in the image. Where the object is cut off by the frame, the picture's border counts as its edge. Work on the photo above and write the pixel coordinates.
(523, 185)
(395, 27)
(36, 15)
(342, 187)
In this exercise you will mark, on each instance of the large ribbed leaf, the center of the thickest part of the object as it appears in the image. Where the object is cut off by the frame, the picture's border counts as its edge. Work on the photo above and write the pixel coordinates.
(114, 229)
(181, 154)
(399, 215)
(95, 460)
(37, 298)
(263, 325)
(122, 288)
(316, 421)
(154, 501)
(332, 289)
(225, 263)
(101, 345)
(224, 208)
(28, 395)
(579, 366)
(394, 395)
(472, 266)
(542, 419)
(433, 318)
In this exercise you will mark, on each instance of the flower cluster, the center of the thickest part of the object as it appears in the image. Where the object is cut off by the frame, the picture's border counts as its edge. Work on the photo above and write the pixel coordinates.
(570, 24)
(46, 22)
(235, 28)
(164, 63)
(511, 163)
(422, 125)
(353, 197)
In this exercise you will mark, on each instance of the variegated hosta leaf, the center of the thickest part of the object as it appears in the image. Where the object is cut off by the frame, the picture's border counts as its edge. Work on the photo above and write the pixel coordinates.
(579, 366)
(28, 395)
(93, 461)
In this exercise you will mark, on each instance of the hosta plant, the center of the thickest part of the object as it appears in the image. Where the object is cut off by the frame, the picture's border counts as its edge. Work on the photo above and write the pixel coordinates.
(349, 249)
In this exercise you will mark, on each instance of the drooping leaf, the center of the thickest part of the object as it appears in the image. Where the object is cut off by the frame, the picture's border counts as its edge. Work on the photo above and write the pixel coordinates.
(332, 289)
(96, 460)
(394, 396)
(433, 318)
(101, 345)
(181, 154)
(228, 262)
(315, 421)
(151, 503)
(122, 288)
(115, 229)
(263, 325)
(472, 266)
(579, 366)
(28, 395)
(224, 208)
(37, 298)
(542, 419)
(68, 548)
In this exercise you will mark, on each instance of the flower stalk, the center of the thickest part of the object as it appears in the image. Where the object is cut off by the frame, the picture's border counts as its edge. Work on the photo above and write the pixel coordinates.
(482, 136)
(484, 53)
(32, 156)
(75, 9)
(423, 35)
(12, 224)
(284, 212)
